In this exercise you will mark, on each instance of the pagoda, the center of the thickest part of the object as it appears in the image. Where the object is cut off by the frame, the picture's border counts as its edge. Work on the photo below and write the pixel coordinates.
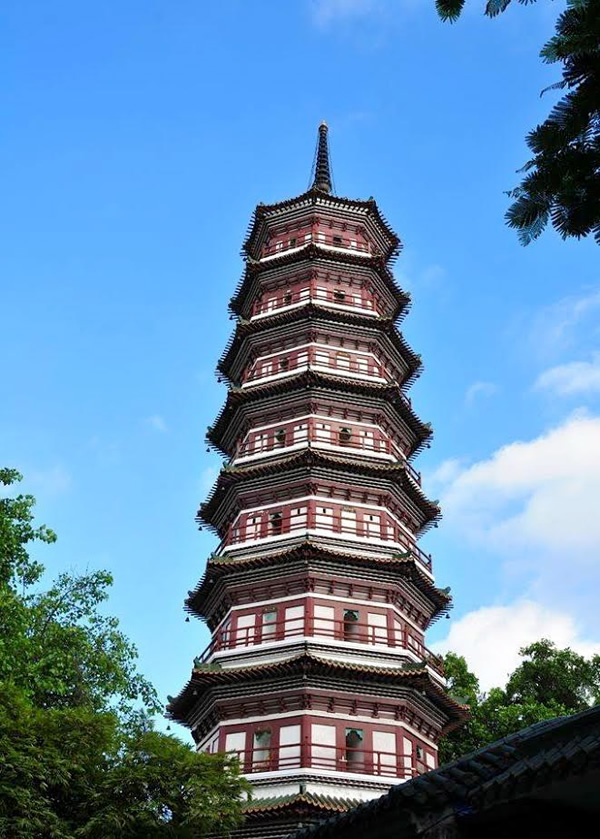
(318, 596)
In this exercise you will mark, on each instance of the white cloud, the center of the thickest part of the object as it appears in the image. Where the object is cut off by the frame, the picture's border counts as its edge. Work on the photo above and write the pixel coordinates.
(479, 389)
(564, 323)
(157, 423)
(576, 377)
(539, 497)
(490, 637)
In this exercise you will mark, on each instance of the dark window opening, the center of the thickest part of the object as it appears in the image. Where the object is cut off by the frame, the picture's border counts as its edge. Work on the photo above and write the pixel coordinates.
(339, 295)
(293, 241)
(354, 751)
(284, 364)
(344, 436)
(280, 436)
(287, 298)
(351, 628)
(337, 240)
(276, 523)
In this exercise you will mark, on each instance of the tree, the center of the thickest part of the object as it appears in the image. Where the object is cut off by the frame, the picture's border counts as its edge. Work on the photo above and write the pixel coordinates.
(79, 755)
(76, 772)
(548, 683)
(561, 182)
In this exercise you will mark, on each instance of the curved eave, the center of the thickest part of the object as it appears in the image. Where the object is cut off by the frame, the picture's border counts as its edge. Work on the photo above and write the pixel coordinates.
(220, 566)
(306, 664)
(247, 328)
(309, 458)
(313, 197)
(311, 378)
(298, 804)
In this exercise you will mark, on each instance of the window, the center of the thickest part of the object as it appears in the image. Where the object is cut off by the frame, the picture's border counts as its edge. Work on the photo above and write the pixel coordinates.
(344, 436)
(351, 628)
(342, 361)
(275, 523)
(354, 751)
(280, 437)
(253, 527)
(348, 520)
(287, 298)
(337, 240)
(284, 364)
(339, 295)
(278, 246)
(372, 525)
(261, 749)
(308, 237)
(293, 241)
(269, 624)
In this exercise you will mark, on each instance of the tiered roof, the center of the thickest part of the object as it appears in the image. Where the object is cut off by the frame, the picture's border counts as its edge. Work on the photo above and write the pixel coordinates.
(322, 315)
(351, 388)
(306, 664)
(405, 565)
(309, 459)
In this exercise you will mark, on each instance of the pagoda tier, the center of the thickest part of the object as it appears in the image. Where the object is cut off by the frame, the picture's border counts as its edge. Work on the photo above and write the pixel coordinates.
(372, 400)
(311, 337)
(318, 596)
(315, 274)
(232, 582)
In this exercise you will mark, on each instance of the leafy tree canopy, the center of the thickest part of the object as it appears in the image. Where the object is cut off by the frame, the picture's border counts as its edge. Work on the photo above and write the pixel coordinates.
(548, 683)
(80, 757)
(561, 182)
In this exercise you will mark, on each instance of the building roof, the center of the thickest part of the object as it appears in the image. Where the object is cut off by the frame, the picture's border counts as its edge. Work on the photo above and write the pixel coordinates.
(309, 458)
(314, 379)
(408, 566)
(258, 807)
(314, 253)
(328, 315)
(314, 197)
(306, 664)
(538, 761)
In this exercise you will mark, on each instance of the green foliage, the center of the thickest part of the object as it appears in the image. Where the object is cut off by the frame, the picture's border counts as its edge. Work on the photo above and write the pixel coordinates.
(548, 683)
(80, 759)
(56, 644)
(16, 532)
(561, 184)
(79, 774)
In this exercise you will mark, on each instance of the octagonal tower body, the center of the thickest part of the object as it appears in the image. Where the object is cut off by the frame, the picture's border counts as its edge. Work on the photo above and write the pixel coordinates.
(318, 596)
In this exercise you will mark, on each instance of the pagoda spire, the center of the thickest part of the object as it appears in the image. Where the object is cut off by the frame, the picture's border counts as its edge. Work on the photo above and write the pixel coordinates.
(322, 169)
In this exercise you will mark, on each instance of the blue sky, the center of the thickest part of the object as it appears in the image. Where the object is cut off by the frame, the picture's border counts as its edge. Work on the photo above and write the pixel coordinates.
(137, 139)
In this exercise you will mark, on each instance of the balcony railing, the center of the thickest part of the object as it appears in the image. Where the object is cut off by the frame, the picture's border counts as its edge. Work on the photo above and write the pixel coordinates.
(331, 240)
(318, 359)
(332, 758)
(335, 524)
(344, 439)
(308, 626)
(308, 360)
(335, 297)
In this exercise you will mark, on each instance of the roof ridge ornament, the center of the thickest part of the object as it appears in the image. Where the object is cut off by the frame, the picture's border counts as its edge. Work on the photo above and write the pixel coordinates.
(322, 180)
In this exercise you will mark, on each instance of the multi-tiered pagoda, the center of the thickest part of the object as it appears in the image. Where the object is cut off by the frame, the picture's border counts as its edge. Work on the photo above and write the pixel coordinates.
(318, 596)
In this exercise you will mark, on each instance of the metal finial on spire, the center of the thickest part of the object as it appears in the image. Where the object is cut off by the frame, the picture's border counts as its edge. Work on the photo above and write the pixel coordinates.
(322, 167)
